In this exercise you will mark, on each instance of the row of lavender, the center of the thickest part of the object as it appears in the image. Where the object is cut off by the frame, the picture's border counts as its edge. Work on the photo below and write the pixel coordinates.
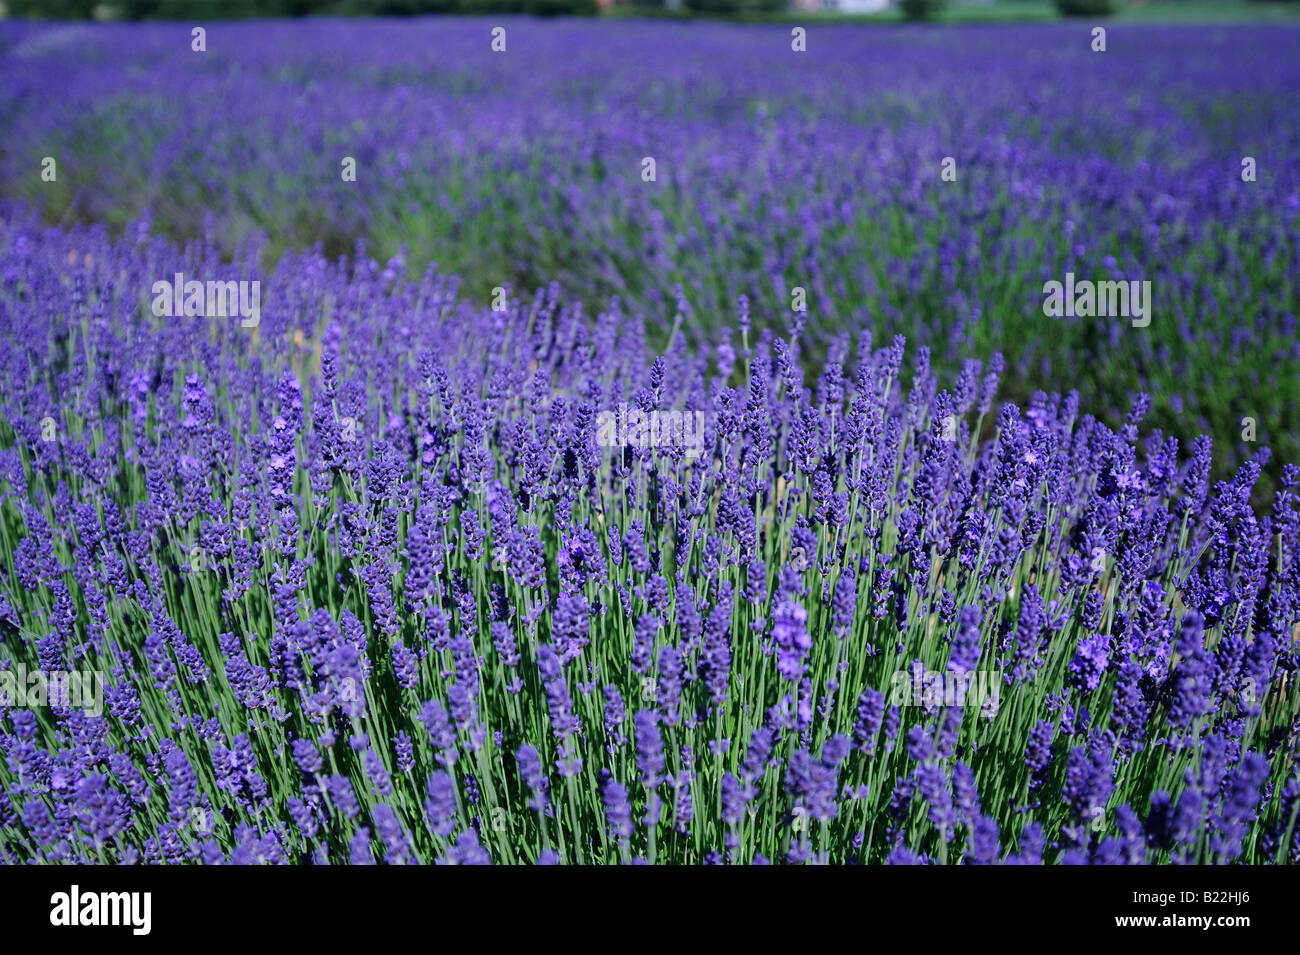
(524, 162)
(362, 584)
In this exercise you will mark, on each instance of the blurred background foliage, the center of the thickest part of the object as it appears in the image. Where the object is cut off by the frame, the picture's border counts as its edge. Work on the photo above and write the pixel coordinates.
(960, 10)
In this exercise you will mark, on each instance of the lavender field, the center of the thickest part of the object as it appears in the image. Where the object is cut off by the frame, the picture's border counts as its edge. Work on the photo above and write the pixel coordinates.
(648, 442)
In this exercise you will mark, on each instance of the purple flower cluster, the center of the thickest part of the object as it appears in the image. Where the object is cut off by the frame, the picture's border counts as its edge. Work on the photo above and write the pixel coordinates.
(367, 583)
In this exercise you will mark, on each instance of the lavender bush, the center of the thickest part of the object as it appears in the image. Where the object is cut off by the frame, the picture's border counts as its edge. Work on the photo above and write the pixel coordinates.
(364, 585)
(775, 170)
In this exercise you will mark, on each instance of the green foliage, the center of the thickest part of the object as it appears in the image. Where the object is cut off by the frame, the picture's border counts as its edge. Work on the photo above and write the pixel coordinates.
(921, 9)
(54, 9)
(555, 8)
(238, 9)
(735, 6)
(1086, 8)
